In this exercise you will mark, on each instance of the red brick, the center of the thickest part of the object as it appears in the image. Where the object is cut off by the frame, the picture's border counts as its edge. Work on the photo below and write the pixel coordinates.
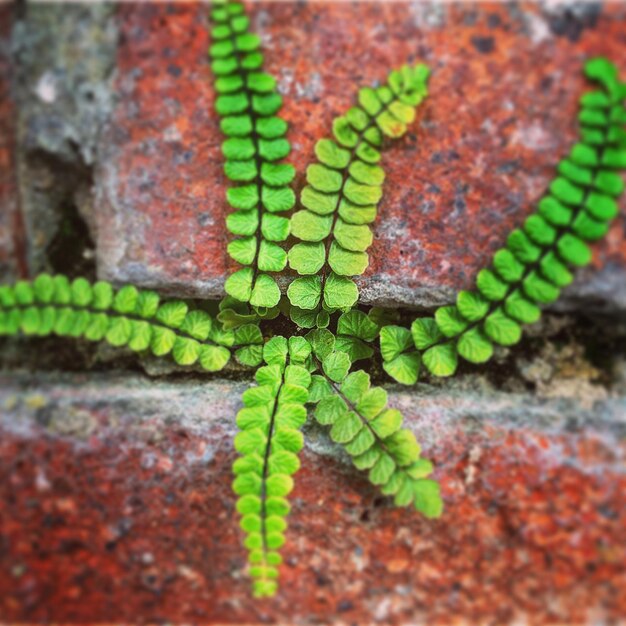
(504, 94)
(117, 507)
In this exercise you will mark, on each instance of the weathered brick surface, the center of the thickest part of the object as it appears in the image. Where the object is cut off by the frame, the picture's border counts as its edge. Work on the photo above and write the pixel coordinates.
(117, 507)
(504, 91)
(11, 235)
(159, 214)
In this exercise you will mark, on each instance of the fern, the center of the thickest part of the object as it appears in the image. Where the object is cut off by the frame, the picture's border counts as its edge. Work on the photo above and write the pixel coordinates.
(247, 103)
(126, 317)
(268, 443)
(368, 429)
(538, 258)
(338, 204)
(340, 198)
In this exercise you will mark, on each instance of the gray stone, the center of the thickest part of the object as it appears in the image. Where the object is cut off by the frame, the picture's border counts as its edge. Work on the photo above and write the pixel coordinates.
(72, 406)
(64, 59)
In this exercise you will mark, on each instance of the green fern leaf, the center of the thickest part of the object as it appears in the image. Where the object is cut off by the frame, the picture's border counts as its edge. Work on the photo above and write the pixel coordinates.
(533, 267)
(268, 443)
(370, 432)
(134, 318)
(43, 287)
(308, 226)
(404, 368)
(214, 358)
(336, 366)
(118, 334)
(471, 305)
(474, 346)
(305, 293)
(502, 329)
(357, 324)
(343, 189)
(394, 340)
(450, 321)
(340, 292)
(441, 360)
(173, 313)
(425, 333)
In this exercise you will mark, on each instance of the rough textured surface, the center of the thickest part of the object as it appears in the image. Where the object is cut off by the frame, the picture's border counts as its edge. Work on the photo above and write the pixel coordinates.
(117, 506)
(160, 205)
(115, 489)
(11, 231)
(150, 187)
(63, 58)
(505, 85)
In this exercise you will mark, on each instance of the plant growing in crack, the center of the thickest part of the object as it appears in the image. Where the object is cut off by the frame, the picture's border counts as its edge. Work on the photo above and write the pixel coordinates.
(325, 241)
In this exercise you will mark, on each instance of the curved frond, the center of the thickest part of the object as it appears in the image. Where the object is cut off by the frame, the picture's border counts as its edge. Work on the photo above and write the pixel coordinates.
(539, 258)
(369, 430)
(126, 317)
(340, 199)
(247, 103)
(268, 444)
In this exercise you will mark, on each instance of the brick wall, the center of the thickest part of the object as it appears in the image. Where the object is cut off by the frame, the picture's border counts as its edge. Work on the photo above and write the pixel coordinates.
(115, 483)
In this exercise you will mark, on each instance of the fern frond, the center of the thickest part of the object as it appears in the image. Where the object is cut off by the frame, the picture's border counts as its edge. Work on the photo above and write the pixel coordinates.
(538, 259)
(247, 103)
(125, 317)
(268, 443)
(361, 421)
(343, 189)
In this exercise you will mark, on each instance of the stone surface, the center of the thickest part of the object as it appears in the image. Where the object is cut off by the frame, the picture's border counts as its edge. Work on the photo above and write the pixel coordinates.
(11, 231)
(504, 91)
(117, 507)
(63, 59)
(160, 203)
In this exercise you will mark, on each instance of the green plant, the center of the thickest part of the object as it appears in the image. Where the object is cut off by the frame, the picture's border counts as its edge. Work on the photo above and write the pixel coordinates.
(538, 258)
(247, 103)
(330, 231)
(339, 200)
(126, 317)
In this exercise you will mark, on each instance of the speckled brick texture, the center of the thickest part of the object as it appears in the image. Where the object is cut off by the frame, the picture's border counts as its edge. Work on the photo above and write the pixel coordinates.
(117, 508)
(504, 91)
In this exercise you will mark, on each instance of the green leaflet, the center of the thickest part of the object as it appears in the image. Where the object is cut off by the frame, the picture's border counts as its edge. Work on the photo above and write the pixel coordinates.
(361, 422)
(338, 202)
(339, 292)
(404, 368)
(247, 103)
(538, 258)
(127, 317)
(340, 198)
(268, 442)
(322, 343)
(400, 360)
(305, 293)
